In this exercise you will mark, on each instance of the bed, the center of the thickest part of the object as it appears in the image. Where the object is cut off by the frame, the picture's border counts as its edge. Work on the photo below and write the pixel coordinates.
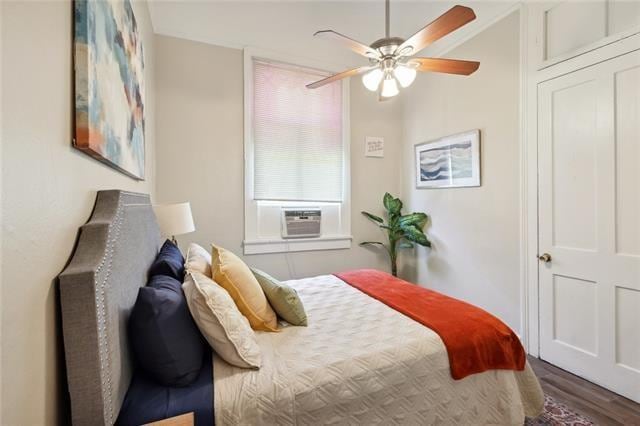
(358, 362)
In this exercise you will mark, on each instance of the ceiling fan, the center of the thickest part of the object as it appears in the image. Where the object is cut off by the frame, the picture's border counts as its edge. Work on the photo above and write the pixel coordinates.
(390, 58)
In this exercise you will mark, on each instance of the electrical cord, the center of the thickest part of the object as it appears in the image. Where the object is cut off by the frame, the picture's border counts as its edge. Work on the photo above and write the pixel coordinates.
(290, 266)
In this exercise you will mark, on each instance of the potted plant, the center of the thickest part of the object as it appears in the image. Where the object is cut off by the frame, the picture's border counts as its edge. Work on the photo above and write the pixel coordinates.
(403, 230)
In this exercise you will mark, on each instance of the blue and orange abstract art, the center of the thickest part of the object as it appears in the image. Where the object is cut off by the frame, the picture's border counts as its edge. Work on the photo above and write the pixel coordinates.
(109, 84)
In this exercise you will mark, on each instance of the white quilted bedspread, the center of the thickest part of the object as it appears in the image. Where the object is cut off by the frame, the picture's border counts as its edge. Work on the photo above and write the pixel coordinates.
(361, 362)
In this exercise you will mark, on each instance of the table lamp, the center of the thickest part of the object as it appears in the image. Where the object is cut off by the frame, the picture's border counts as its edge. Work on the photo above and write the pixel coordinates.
(174, 219)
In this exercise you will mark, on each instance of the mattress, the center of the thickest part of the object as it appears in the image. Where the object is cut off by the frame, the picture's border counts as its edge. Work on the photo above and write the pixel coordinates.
(361, 362)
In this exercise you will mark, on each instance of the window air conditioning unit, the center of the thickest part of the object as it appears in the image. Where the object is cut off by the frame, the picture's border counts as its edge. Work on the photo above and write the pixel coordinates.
(301, 222)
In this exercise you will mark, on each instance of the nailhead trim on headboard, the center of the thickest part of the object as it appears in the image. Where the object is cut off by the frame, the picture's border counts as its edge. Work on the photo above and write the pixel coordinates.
(114, 232)
(98, 289)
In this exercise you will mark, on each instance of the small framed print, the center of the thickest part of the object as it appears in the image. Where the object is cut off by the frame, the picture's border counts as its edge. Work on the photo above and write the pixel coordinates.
(374, 146)
(449, 162)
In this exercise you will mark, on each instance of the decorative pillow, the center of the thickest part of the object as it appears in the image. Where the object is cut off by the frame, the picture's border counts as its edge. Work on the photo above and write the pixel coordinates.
(282, 298)
(168, 262)
(231, 273)
(198, 260)
(165, 340)
(225, 328)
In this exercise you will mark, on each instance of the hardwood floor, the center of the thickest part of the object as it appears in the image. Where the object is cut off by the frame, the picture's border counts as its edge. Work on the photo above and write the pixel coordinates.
(603, 407)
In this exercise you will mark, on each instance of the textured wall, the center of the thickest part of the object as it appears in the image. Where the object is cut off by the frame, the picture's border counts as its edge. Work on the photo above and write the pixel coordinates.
(48, 191)
(475, 230)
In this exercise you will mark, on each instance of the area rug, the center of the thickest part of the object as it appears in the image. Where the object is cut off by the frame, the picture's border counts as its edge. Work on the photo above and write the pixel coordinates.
(557, 414)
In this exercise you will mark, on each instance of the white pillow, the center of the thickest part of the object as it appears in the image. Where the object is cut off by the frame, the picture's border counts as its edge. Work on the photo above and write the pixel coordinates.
(198, 260)
(219, 320)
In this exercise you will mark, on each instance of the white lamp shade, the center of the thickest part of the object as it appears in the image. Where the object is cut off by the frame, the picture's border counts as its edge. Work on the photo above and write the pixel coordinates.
(389, 87)
(372, 79)
(405, 75)
(174, 219)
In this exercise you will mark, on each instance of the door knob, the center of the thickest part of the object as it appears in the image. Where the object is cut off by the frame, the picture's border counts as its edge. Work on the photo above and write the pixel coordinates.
(546, 257)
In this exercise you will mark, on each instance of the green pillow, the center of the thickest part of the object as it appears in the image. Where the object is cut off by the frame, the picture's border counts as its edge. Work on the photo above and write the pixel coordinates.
(283, 299)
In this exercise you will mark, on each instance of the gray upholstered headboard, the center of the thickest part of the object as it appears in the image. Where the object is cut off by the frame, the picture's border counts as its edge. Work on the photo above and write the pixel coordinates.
(97, 291)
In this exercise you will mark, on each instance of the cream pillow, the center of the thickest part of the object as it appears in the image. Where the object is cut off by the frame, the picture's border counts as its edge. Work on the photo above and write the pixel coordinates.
(235, 276)
(198, 260)
(220, 322)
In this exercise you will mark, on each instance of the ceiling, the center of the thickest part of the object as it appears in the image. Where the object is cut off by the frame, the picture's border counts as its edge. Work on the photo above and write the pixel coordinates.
(288, 26)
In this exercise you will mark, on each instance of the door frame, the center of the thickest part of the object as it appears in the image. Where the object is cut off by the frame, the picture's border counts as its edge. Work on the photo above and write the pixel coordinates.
(530, 78)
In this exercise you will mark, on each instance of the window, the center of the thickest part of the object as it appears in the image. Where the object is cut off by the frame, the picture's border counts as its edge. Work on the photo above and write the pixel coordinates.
(297, 135)
(297, 153)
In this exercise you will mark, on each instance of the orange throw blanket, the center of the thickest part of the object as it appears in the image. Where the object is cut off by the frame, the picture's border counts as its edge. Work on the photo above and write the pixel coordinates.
(476, 341)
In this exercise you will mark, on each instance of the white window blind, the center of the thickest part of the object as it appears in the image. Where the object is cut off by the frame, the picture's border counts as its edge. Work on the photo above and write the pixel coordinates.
(297, 135)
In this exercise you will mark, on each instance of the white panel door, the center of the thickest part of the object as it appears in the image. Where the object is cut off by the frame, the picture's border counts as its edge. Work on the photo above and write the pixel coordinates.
(589, 223)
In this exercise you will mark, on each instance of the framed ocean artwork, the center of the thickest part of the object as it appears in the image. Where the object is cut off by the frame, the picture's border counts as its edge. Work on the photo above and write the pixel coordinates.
(109, 85)
(449, 162)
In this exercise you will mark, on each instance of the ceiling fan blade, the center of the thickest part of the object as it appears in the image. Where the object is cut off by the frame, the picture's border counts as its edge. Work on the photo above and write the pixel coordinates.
(339, 76)
(448, 22)
(448, 66)
(356, 46)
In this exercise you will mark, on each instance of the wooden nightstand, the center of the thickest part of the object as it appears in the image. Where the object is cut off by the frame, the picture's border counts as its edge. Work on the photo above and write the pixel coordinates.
(181, 420)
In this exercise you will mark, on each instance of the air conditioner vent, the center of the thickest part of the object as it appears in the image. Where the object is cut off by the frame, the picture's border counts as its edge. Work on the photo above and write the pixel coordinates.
(301, 222)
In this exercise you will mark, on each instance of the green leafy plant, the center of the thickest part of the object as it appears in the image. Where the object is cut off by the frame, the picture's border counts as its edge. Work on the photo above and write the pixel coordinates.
(403, 230)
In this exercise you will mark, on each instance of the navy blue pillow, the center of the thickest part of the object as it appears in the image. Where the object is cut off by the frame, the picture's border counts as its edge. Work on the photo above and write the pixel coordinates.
(168, 262)
(165, 340)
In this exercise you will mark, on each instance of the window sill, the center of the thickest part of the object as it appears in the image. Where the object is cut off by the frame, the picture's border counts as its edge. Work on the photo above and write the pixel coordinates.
(333, 242)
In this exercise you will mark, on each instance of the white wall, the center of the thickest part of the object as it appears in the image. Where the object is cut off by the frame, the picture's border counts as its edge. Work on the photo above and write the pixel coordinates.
(48, 191)
(200, 155)
(475, 231)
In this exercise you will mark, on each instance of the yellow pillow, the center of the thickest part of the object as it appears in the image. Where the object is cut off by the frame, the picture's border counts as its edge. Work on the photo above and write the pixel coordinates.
(235, 276)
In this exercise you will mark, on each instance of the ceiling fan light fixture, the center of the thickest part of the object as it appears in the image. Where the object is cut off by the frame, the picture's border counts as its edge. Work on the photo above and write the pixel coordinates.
(404, 51)
(405, 75)
(372, 79)
(391, 59)
(389, 87)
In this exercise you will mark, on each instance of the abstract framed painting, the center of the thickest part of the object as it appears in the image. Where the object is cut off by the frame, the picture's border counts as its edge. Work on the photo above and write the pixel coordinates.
(449, 162)
(109, 85)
